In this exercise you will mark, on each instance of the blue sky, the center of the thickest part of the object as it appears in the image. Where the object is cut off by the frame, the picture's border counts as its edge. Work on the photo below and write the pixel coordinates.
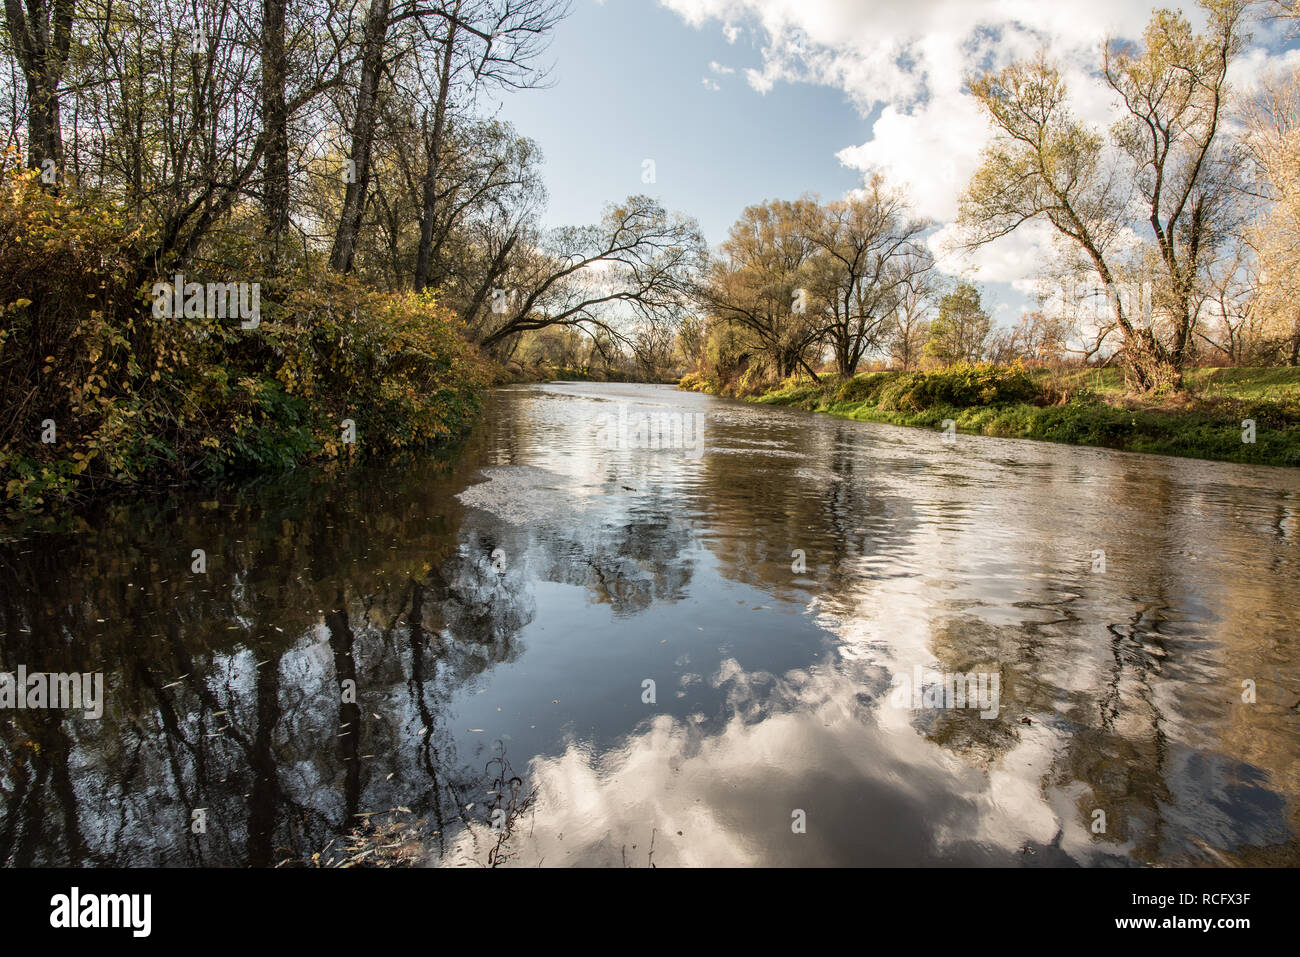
(628, 86)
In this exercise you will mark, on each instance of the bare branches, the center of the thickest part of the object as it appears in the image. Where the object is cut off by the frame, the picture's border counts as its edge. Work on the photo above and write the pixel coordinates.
(636, 265)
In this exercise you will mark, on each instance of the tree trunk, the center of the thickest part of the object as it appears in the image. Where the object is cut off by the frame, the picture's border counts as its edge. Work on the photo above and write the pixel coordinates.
(41, 35)
(275, 121)
(363, 137)
(1152, 368)
(843, 356)
(434, 149)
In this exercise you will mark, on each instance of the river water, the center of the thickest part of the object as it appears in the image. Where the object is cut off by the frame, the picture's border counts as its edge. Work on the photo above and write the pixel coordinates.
(556, 645)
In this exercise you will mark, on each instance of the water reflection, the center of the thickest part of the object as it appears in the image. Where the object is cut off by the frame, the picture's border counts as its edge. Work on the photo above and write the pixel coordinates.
(442, 637)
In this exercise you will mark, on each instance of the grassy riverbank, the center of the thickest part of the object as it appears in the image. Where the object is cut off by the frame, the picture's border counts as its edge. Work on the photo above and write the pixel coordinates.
(1079, 407)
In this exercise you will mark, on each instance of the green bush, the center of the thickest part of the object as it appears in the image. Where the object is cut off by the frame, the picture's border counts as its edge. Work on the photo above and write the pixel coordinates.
(964, 384)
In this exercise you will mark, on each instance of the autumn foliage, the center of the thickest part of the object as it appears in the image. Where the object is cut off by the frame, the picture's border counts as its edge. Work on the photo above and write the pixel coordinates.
(96, 391)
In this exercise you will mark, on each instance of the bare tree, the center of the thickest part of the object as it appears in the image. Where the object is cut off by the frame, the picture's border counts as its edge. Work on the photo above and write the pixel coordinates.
(364, 121)
(909, 326)
(483, 43)
(634, 267)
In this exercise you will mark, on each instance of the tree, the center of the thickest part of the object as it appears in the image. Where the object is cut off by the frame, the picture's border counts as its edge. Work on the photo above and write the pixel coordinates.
(1272, 142)
(364, 121)
(692, 338)
(444, 47)
(41, 34)
(767, 281)
(1174, 93)
(1236, 324)
(483, 43)
(961, 329)
(635, 267)
(909, 327)
(1168, 172)
(868, 252)
(1035, 336)
(275, 119)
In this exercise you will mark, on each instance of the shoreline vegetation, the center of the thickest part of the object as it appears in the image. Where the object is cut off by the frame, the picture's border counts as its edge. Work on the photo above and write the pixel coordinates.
(289, 236)
(1087, 406)
(103, 393)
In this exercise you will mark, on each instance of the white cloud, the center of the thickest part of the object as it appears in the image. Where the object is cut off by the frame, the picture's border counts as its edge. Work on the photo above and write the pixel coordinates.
(761, 82)
(934, 149)
(1016, 259)
(1256, 64)
(719, 69)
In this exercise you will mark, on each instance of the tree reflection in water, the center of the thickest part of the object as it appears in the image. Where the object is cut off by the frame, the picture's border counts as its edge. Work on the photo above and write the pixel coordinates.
(230, 693)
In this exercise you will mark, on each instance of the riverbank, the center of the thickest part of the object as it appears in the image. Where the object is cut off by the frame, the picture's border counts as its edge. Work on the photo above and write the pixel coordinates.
(1078, 407)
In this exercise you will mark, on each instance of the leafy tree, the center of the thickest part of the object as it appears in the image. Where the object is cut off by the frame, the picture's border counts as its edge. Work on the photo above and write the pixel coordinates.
(1168, 171)
(1273, 145)
(868, 252)
(766, 281)
(961, 329)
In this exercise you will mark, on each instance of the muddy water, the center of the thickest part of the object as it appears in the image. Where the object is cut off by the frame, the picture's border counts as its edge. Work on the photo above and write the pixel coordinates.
(559, 645)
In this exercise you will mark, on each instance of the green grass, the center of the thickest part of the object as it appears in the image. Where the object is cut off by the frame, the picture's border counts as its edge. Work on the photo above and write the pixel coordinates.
(1079, 407)
(1265, 384)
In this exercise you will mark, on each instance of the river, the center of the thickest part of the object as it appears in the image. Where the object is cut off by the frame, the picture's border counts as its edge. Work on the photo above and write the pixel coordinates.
(557, 646)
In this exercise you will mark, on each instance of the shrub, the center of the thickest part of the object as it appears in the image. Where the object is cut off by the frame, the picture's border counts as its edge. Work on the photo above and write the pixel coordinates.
(131, 397)
(960, 385)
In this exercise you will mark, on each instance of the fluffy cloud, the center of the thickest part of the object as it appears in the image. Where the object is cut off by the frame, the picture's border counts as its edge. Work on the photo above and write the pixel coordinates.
(904, 63)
